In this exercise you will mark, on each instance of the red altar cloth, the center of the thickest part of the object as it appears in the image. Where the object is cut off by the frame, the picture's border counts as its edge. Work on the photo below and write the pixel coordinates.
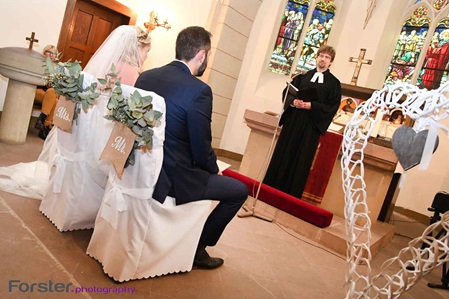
(321, 170)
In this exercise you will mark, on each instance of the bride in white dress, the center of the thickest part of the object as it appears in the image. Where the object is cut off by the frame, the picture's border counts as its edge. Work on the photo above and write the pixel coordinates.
(67, 174)
(78, 179)
(134, 236)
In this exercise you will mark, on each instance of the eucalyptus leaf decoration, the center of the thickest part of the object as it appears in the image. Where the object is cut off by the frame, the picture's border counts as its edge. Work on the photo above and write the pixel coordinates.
(67, 80)
(137, 113)
(108, 82)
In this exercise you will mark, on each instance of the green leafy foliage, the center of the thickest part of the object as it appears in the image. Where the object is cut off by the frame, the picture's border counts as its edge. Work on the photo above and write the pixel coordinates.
(67, 80)
(137, 113)
(107, 83)
(134, 111)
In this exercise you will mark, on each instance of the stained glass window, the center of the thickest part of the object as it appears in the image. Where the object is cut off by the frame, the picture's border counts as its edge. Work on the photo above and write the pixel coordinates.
(288, 39)
(408, 47)
(290, 30)
(317, 34)
(439, 4)
(435, 67)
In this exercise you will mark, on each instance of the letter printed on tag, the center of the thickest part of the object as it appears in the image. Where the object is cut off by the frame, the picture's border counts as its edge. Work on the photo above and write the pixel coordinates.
(64, 111)
(118, 147)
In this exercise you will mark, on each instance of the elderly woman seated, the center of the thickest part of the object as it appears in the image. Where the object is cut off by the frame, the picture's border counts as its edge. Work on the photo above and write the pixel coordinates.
(47, 98)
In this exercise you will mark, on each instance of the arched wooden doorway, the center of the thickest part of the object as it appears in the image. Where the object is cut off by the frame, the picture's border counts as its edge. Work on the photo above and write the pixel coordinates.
(86, 25)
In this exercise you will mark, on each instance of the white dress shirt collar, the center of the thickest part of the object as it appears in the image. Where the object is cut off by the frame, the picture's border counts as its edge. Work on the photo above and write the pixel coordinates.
(186, 65)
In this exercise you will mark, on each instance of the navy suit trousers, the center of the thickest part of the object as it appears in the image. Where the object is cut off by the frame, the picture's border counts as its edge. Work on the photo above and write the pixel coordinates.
(231, 195)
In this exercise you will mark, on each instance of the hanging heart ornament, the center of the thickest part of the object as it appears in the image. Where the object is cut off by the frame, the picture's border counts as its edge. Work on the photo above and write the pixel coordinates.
(409, 146)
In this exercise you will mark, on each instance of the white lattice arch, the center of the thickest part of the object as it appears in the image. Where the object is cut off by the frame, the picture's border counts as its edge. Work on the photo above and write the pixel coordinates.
(427, 108)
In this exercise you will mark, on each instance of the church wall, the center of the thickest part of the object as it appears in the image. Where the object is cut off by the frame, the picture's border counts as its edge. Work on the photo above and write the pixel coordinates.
(230, 23)
(378, 38)
(180, 14)
(256, 88)
(20, 18)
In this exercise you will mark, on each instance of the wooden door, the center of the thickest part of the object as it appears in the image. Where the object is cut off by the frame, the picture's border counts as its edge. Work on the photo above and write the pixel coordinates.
(88, 24)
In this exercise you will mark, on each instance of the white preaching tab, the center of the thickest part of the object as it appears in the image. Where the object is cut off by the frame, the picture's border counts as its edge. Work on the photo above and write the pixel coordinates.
(318, 75)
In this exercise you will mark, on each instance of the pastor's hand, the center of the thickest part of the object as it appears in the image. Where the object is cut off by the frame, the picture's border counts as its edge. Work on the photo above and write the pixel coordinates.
(301, 104)
(296, 103)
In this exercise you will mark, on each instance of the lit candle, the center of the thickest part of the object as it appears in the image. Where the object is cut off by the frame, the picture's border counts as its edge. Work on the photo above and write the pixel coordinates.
(377, 125)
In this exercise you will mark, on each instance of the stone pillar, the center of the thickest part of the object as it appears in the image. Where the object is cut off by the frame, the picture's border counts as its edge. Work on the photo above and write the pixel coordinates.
(230, 22)
(16, 113)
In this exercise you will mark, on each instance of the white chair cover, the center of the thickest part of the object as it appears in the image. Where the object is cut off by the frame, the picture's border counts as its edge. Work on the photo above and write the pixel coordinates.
(137, 237)
(76, 186)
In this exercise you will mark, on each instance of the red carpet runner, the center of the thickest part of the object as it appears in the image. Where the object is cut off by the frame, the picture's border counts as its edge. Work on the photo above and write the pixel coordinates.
(285, 202)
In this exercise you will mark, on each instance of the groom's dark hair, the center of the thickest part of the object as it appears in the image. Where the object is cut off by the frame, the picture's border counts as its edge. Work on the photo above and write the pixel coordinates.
(190, 41)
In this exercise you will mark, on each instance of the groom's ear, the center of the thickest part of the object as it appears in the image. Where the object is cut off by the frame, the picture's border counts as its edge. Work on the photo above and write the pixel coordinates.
(201, 56)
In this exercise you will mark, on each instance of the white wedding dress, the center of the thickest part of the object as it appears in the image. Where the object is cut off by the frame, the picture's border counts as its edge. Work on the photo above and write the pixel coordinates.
(30, 179)
(25, 179)
(134, 235)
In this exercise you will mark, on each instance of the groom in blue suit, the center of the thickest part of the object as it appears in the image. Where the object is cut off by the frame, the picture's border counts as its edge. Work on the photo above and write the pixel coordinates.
(189, 171)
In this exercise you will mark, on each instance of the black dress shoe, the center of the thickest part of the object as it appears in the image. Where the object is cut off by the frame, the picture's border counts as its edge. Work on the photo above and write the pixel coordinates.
(40, 122)
(44, 133)
(202, 260)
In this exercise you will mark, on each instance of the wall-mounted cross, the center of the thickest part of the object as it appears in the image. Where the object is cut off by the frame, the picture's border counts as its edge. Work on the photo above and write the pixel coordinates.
(32, 40)
(358, 66)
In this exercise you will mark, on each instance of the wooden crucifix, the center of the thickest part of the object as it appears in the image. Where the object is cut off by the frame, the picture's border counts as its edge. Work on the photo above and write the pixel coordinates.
(32, 40)
(358, 66)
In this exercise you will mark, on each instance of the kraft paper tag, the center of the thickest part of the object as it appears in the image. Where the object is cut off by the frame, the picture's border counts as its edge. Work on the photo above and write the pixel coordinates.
(118, 147)
(64, 111)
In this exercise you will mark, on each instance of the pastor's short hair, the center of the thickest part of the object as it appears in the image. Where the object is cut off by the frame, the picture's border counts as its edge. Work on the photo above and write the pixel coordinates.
(327, 50)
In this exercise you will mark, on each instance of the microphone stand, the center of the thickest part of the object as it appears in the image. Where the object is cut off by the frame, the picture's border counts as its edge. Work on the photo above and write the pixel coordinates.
(251, 211)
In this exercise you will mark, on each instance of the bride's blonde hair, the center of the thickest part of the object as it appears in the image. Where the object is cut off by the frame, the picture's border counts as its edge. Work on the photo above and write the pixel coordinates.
(143, 38)
(122, 45)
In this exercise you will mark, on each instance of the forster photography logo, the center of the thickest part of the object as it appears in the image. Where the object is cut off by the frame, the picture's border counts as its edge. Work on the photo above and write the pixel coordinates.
(49, 286)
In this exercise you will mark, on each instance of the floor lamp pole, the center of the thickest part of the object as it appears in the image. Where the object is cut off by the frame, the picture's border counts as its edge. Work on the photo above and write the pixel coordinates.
(251, 211)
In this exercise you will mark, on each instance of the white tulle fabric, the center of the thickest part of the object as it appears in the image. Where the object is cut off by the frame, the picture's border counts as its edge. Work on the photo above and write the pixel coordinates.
(120, 49)
(20, 179)
(137, 237)
(30, 179)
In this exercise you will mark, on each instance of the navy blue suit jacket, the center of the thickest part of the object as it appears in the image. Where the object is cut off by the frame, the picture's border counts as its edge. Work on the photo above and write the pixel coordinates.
(189, 159)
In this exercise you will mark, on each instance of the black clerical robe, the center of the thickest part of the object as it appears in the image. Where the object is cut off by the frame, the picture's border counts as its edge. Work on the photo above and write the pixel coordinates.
(295, 150)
